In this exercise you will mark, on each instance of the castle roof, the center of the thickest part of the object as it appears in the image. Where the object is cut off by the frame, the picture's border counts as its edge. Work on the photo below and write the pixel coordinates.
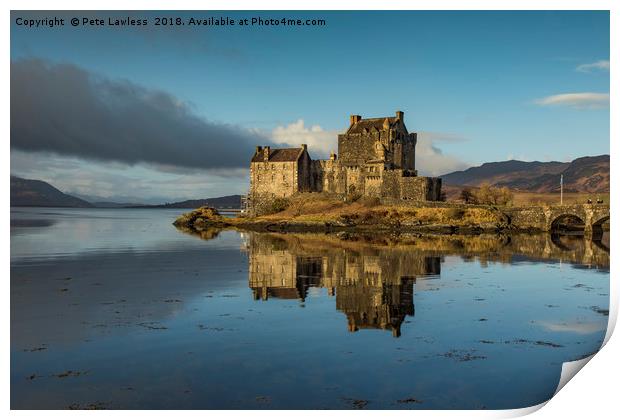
(370, 124)
(279, 155)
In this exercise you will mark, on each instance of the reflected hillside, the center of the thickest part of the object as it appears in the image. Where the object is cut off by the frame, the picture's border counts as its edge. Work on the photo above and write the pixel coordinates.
(573, 249)
(373, 278)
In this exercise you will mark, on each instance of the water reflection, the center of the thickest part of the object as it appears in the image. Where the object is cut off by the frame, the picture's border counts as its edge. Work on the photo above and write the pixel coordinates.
(373, 278)
(26, 223)
(373, 287)
(144, 316)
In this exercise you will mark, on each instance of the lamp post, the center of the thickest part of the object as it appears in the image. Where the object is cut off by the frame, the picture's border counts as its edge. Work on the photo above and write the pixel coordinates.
(561, 189)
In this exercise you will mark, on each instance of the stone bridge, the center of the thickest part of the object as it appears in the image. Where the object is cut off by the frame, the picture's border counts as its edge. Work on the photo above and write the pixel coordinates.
(548, 218)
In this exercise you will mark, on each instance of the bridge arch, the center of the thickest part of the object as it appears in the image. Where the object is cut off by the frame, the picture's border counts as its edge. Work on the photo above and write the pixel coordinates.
(567, 221)
(557, 241)
(596, 230)
(600, 222)
(585, 217)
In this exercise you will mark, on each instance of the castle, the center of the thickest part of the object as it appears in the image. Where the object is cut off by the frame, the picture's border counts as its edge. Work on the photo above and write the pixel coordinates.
(376, 158)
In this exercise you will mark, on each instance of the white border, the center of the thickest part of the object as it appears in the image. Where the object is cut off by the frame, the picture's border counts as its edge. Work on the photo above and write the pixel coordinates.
(591, 395)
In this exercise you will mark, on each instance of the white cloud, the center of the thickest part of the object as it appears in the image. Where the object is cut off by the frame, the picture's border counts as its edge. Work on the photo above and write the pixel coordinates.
(573, 327)
(320, 142)
(601, 65)
(580, 100)
(430, 159)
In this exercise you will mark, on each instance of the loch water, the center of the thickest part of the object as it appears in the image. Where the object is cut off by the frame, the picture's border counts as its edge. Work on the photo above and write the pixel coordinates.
(117, 309)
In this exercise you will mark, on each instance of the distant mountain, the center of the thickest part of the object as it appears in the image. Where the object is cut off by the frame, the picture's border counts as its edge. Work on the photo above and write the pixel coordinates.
(108, 202)
(587, 174)
(114, 205)
(226, 202)
(30, 192)
(35, 193)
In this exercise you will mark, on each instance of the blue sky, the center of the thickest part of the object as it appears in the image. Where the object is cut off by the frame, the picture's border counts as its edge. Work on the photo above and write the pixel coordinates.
(479, 86)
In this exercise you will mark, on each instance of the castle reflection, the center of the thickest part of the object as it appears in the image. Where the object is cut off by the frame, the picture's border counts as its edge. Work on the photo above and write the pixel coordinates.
(373, 277)
(373, 287)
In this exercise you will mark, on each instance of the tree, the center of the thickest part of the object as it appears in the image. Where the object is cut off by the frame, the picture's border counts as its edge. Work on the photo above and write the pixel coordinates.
(467, 196)
(505, 196)
(486, 194)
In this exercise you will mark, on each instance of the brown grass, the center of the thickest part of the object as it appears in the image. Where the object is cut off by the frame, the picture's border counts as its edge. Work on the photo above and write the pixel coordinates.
(534, 198)
(317, 207)
(529, 198)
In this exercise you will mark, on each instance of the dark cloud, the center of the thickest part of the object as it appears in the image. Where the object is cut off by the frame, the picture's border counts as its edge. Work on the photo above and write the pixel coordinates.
(63, 109)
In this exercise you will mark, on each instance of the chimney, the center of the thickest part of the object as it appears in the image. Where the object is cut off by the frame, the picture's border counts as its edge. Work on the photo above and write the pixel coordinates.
(258, 149)
(266, 152)
(400, 115)
(355, 119)
(304, 147)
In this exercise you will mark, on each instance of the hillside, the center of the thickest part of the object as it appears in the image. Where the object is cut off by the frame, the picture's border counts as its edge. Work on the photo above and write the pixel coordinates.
(30, 192)
(226, 202)
(586, 174)
(35, 193)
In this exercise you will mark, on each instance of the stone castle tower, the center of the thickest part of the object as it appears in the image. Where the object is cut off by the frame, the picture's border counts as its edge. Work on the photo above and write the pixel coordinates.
(376, 158)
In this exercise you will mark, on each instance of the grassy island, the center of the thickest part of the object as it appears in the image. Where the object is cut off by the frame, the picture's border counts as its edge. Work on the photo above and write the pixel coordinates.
(321, 212)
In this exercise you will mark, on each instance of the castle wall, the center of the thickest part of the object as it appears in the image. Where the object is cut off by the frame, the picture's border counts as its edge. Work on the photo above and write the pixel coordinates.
(283, 179)
(304, 173)
(328, 176)
(357, 149)
(420, 188)
(372, 186)
(279, 179)
(354, 180)
(399, 154)
(270, 178)
(409, 152)
(434, 192)
(390, 187)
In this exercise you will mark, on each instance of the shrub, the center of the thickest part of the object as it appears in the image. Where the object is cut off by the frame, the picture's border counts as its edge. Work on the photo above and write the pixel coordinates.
(298, 203)
(353, 195)
(279, 204)
(467, 196)
(269, 205)
(369, 201)
(366, 217)
(506, 196)
(487, 194)
(454, 213)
